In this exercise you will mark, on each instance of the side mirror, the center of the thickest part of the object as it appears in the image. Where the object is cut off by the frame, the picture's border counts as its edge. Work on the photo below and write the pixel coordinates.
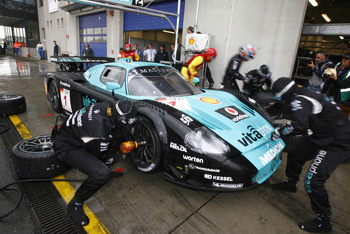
(195, 80)
(112, 85)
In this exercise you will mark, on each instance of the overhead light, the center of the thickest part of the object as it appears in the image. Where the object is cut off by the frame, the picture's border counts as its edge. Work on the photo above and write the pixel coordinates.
(325, 16)
(166, 31)
(341, 37)
(313, 3)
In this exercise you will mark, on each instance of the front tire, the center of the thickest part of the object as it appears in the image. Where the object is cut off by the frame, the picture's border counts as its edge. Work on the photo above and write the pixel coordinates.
(147, 157)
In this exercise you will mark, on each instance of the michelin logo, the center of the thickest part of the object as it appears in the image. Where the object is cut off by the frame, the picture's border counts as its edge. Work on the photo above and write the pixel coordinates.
(271, 154)
(231, 186)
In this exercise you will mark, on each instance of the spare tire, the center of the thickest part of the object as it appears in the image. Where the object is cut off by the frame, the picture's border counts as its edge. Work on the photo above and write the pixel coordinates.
(12, 104)
(35, 158)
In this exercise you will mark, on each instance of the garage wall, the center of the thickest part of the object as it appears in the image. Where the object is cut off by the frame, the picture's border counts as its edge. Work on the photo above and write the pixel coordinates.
(272, 26)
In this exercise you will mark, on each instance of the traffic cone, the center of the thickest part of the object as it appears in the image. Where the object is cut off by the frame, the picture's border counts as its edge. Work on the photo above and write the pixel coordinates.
(28, 54)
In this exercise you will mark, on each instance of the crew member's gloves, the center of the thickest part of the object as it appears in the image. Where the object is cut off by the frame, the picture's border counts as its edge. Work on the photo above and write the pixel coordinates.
(275, 135)
(286, 130)
(246, 80)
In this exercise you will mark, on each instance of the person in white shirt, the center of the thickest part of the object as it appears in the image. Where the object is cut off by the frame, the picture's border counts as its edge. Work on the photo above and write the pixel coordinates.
(149, 52)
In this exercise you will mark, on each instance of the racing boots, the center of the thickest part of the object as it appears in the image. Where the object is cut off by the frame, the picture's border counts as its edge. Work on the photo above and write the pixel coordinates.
(288, 186)
(318, 225)
(76, 212)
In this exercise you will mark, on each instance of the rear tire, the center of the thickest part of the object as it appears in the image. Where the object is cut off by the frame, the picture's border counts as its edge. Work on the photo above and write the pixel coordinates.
(35, 158)
(12, 104)
(54, 97)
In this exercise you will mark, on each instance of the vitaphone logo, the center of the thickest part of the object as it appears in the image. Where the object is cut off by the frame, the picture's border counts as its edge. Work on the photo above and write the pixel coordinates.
(253, 135)
(87, 101)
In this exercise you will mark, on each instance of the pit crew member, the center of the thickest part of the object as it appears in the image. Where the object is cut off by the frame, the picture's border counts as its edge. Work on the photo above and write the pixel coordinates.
(87, 141)
(232, 74)
(328, 147)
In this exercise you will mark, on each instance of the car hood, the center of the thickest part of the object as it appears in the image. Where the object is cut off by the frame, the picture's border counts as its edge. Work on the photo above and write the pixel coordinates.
(221, 112)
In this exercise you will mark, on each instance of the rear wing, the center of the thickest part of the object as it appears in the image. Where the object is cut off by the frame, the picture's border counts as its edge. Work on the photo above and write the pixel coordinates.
(77, 59)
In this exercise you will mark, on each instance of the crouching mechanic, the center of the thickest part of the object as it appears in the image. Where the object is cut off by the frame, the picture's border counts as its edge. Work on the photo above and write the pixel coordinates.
(88, 140)
(328, 147)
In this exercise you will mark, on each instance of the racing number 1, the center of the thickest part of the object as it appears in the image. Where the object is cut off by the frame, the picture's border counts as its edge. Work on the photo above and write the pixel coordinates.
(65, 100)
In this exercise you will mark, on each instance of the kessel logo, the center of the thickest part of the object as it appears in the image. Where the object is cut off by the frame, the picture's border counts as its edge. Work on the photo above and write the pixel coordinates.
(232, 113)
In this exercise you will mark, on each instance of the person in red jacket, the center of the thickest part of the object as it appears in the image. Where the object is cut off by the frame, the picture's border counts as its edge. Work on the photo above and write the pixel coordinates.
(16, 45)
(192, 67)
(128, 53)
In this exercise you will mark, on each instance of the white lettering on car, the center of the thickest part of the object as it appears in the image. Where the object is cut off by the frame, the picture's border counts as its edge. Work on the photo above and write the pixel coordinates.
(193, 159)
(178, 147)
(271, 154)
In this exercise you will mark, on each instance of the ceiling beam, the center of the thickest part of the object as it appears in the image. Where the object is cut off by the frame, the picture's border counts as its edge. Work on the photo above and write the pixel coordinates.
(326, 29)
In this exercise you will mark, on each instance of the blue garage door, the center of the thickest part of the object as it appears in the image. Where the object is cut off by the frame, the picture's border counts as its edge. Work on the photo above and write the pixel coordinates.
(93, 30)
(139, 22)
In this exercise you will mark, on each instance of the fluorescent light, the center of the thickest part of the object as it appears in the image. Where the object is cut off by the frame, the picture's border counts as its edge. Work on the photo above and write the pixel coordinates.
(341, 37)
(168, 31)
(325, 16)
(313, 3)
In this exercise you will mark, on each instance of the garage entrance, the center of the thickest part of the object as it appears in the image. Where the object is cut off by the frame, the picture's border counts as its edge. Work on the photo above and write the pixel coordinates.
(93, 30)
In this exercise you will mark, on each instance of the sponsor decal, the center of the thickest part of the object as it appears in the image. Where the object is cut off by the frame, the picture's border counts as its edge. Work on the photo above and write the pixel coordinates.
(178, 147)
(90, 112)
(191, 41)
(209, 100)
(231, 186)
(317, 161)
(251, 100)
(87, 101)
(109, 111)
(232, 113)
(271, 154)
(215, 177)
(64, 84)
(254, 134)
(155, 69)
(192, 166)
(186, 119)
(193, 159)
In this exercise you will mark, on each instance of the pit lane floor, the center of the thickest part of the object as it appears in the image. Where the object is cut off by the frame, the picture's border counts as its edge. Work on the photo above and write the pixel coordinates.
(140, 203)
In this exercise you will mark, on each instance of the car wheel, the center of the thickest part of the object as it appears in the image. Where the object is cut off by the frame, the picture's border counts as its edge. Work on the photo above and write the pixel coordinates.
(35, 158)
(147, 157)
(12, 104)
(54, 97)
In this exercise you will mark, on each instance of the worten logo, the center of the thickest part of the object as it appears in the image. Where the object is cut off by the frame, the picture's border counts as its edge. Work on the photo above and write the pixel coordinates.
(254, 134)
(232, 113)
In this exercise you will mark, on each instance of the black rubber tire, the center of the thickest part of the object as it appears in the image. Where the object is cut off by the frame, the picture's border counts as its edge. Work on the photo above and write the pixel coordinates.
(12, 104)
(35, 158)
(53, 96)
(146, 158)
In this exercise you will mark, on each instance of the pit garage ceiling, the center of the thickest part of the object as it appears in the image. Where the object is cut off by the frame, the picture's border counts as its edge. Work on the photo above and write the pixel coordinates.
(318, 34)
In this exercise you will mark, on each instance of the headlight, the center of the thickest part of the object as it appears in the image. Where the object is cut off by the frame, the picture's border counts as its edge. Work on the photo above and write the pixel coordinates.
(202, 141)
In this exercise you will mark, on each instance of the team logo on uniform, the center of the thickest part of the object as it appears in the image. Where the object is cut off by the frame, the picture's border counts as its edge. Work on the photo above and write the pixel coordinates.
(232, 113)
(109, 111)
(209, 100)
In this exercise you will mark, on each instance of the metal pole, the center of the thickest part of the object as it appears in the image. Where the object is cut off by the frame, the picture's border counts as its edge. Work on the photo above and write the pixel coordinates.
(196, 22)
(177, 31)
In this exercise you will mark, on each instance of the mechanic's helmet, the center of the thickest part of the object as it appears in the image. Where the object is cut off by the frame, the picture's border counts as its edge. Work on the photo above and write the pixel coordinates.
(264, 71)
(283, 88)
(211, 54)
(127, 47)
(125, 111)
(247, 52)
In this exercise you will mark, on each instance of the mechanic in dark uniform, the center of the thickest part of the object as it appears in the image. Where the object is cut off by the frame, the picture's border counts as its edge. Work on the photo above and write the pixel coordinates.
(256, 80)
(88, 140)
(328, 147)
(232, 72)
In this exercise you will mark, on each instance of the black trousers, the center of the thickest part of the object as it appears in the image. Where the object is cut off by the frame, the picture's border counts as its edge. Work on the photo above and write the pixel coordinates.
(230, 83)
(325, 161)
(98, 173)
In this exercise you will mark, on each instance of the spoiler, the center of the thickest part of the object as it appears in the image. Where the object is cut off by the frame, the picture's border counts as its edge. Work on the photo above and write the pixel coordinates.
(78, 59)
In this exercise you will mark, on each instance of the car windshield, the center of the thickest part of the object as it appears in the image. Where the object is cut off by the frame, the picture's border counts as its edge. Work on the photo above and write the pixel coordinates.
(158, 81)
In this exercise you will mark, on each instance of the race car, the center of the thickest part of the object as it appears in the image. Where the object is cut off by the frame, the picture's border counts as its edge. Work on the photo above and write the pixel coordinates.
(202, 138)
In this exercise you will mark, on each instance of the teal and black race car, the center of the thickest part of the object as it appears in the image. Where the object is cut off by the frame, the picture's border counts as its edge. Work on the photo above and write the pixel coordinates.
(204, 139)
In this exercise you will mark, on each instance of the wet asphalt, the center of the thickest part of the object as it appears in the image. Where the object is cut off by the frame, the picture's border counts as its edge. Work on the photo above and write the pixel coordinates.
(139, 203)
